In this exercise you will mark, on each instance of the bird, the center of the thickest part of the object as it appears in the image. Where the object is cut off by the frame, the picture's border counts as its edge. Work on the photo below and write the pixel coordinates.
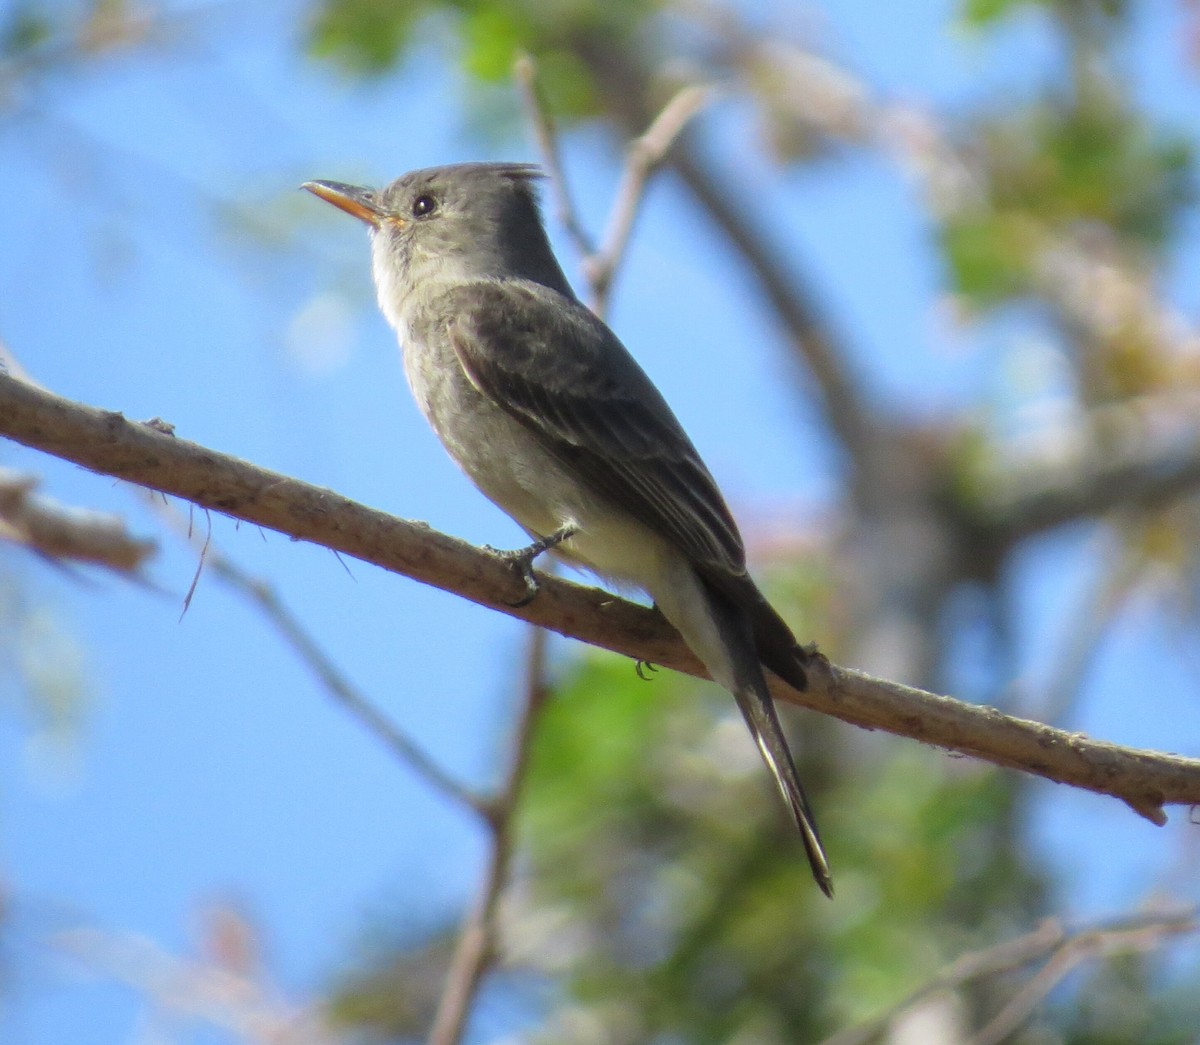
(551, 417)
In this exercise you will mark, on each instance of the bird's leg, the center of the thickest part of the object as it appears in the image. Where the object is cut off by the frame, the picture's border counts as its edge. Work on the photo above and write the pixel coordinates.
(521, 559)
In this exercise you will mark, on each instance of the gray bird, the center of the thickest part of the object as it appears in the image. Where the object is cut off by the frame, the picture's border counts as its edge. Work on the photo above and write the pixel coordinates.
(551, 417)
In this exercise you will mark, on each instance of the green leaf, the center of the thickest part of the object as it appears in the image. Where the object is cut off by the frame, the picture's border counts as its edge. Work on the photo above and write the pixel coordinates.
(983, 13)
(364, 37)
(24, 30)
(988, 255)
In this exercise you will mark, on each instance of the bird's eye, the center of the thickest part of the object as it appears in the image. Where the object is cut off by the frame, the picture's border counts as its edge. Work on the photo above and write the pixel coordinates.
(423, 206)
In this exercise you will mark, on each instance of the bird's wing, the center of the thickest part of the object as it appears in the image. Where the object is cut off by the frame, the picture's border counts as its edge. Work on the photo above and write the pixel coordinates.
(563, 374)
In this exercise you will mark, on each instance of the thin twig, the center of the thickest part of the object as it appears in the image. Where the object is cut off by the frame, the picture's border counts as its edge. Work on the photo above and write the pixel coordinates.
(525, 73)
(645, 155)
(1022, 1006)
(476, 949)
(1155, 462)
(200, 561)
(305, 646)
(339, 687)
(189, 989)
(1050, 940)
(64, 533)
(107, 443)
(1135, 935)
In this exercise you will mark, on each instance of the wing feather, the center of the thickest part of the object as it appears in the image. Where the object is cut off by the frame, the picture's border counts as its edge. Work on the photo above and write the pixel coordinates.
(556, 368)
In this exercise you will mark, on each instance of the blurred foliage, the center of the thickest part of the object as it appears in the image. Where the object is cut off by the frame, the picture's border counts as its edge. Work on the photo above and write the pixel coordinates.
(663, 890)
(24, 28)
(48, 37)
(652, 830)
(1119, 1003)
(43, 674)
(985, 13)
(392, 992)
(368, 37)
(1055, 166)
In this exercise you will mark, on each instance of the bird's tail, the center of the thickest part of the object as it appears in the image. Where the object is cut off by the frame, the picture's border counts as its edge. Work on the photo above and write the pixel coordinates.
(759, 712)
(758, 709)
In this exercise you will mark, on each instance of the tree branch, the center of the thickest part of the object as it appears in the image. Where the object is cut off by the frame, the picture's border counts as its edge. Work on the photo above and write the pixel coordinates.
(644, 156)
(525, 75)
(1052, 941)
(106, 442)
(1142, 466)
(66, 534)
(841, 393)
(242, 1007)
(476, 949)
(1137, 934)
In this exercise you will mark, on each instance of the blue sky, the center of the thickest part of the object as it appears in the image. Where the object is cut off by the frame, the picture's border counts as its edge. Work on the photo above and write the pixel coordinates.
(206, 763)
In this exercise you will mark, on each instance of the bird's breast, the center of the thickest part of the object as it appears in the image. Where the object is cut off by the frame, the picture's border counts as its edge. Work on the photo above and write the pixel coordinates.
(505, 460)
(496, 452)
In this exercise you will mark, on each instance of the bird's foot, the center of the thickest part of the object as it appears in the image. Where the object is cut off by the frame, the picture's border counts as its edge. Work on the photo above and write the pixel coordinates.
(521, 560)
(645, 669)
(811, 655)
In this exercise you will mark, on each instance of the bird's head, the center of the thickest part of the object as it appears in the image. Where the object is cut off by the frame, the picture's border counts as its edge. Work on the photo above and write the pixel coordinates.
(464, 222)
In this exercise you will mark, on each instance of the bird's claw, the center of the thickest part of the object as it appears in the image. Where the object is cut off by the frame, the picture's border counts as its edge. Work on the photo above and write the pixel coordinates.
(643, 666)
(521, 560)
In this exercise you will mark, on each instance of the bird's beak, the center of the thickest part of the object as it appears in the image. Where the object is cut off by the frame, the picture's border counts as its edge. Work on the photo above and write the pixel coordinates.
(361, 202)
